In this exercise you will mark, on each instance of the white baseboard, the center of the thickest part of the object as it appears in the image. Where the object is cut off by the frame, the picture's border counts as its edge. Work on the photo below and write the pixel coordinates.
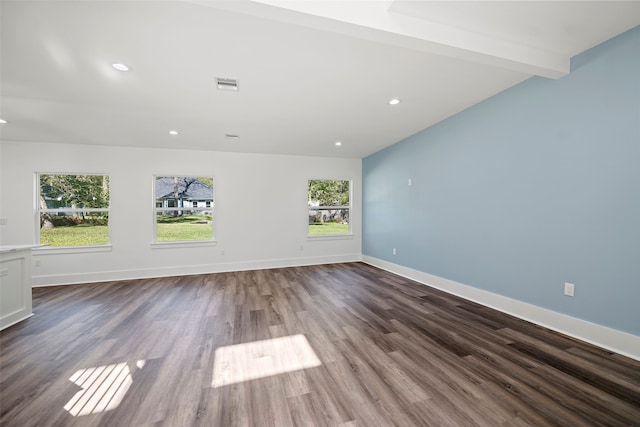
(11, 320)
(186, 270)
(611, 339)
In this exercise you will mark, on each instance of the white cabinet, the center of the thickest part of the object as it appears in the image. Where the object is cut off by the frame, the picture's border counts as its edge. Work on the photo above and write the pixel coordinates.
(15, 284)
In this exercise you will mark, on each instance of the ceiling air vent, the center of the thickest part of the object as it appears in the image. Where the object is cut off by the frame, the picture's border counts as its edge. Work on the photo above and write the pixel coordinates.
(227, 84)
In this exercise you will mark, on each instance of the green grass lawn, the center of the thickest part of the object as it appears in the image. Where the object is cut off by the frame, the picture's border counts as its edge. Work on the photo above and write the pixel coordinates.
(321, 228)
(76, 235)
(170, 229)
(183, 231)
(182, 228)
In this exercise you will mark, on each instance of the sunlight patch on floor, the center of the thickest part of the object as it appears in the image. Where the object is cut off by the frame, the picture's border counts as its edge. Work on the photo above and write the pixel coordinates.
(260, 359)
(103, 388)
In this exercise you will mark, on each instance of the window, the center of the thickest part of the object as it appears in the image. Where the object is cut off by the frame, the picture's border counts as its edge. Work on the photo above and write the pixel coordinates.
(329, 203)
(183, 208)
(73, 210)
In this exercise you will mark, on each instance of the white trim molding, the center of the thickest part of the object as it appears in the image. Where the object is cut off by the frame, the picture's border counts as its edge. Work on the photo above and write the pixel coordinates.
(611, 339)
(186, 270)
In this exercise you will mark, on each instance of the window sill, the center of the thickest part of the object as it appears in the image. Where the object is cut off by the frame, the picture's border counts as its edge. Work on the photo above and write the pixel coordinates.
(312, 237)
(55, 250)
(185, 244)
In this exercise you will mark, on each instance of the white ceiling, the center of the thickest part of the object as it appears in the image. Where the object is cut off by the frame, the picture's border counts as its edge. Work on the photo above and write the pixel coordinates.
(310, 72)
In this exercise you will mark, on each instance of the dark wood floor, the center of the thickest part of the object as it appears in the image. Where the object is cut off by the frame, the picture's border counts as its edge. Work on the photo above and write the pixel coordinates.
(388, 351)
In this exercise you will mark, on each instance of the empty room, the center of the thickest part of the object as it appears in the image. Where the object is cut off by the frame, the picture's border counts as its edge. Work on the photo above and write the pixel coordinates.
(319, 213)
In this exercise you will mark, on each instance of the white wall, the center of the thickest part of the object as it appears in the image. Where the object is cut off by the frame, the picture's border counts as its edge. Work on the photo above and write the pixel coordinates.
(246, 187)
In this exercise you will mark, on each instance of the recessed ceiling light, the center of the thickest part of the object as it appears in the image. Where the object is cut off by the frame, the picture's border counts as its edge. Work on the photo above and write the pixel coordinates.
(338, 143)
(173, 132)
(3, 121)
(120, 67)
(394, 101)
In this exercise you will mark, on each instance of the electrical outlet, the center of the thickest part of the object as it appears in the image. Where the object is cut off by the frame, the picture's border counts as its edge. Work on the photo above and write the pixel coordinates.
(410, 182)
(569, 289)
(394, 251)
(3, 221)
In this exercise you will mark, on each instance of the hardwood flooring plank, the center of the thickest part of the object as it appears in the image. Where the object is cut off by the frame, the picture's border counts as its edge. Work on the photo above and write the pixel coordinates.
(356, 396)
(391, 352)
(301, 412)
(588, 372)
(394, 376)
(528, 396)
(329, 402)
(430, 328)
(598, 401)
(608, 360)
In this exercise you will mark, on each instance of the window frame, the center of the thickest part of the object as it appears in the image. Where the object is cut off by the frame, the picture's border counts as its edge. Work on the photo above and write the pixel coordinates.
(348, 207)
(189, 207)
(97, 247)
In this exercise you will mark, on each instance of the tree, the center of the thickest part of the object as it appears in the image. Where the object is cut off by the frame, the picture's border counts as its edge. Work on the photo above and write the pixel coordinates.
(328, 192)
(206, 181)
(73, 191)
(45, 217)
(180, 189)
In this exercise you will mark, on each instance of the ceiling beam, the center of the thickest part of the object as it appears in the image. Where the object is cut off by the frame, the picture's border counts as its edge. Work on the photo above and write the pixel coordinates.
(377, 21)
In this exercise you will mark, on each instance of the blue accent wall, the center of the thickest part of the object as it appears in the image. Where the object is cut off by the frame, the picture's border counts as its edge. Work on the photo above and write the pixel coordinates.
(534, 187)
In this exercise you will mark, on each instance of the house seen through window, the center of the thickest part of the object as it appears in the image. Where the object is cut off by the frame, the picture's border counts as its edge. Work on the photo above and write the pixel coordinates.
(73, 210)
(329, 203)
(183, 208)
